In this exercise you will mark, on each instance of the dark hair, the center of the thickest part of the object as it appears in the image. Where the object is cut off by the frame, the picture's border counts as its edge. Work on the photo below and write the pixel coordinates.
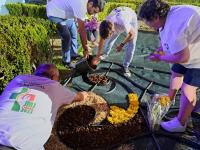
(104, 28)
(98, 3)
(46, 70)
(151, 9)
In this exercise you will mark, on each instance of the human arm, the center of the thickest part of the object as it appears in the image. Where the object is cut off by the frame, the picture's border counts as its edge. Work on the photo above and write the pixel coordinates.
(63, 95)
(100, 47)
(95, 61)
(179, 57)
(83, 36)
(130, 36)
(80, 96)
(159, 50)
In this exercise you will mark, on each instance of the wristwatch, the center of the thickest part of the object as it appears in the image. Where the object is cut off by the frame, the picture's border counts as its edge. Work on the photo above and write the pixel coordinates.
(122, 44)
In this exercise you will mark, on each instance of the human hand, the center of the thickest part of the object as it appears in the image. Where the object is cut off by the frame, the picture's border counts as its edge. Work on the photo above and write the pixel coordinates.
(154, 57)
(95, 61)
(84, 95)
(81, 96)
(119, 48)
(159, 51)
(86, 54)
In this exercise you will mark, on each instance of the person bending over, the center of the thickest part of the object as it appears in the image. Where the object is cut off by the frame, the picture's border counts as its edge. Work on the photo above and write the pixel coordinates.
(28, 108)
(65, 13)
(120, 20)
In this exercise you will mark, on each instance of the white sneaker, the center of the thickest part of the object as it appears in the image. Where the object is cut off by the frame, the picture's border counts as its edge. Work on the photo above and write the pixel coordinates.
(103, 57)
(173, 125)
(126, 72)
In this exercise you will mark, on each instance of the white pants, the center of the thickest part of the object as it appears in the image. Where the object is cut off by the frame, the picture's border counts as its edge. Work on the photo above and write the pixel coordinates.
(129, 48)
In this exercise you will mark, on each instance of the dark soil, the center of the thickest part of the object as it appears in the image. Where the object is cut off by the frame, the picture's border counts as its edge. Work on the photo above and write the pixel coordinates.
(73, 129)
(98, 79)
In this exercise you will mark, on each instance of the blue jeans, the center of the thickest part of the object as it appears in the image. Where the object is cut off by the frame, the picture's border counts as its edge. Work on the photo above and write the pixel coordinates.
(68, 33)
(94, 33)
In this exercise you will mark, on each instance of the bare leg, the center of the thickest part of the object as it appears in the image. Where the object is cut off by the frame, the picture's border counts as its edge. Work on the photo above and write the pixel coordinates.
(187, 102)
(175, 84)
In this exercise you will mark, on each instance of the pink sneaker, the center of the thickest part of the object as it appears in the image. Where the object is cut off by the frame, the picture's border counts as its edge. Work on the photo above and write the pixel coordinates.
(173, 125)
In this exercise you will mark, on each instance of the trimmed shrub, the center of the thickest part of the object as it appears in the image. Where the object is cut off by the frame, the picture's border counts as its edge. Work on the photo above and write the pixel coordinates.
(125, 1)
(29, 10)
(110, 6)
(24, 42)
(39, 11)
(38, 2)
(183, 1)
(32, 10)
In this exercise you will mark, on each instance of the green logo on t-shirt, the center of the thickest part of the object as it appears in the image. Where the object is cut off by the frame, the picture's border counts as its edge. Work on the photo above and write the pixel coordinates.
(24, 101)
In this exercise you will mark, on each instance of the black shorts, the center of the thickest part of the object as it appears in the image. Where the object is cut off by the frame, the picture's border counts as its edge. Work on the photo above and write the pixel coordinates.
(191, 75)
(2, 147)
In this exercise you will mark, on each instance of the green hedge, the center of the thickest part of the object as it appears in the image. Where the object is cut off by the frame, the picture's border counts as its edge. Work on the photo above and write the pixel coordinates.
(110, 6)
(125, 1)
(170, 2)
(191, 2)
(38, 2)
(29, 10)
(24, 41)
(39, 11)
(184, 1)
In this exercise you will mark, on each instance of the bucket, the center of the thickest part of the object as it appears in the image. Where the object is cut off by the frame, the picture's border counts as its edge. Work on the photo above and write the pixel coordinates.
(85, 66)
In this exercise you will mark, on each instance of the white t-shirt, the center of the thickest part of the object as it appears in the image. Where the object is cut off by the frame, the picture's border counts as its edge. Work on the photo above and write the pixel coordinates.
(67, 9)
(124, 19)
(182, 29)
(28, 108)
